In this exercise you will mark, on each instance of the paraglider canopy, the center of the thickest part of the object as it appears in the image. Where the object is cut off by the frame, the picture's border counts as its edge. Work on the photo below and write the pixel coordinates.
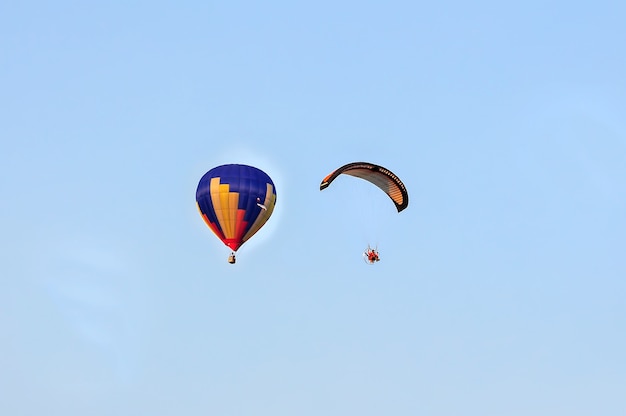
(382, 177)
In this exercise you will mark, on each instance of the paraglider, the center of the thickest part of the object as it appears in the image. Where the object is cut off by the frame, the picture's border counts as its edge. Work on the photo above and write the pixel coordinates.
(235, 201)
(370, 255)
(380, 176)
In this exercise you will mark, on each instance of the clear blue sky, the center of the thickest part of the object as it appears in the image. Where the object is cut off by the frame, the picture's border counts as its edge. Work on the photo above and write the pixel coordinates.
(501, 288)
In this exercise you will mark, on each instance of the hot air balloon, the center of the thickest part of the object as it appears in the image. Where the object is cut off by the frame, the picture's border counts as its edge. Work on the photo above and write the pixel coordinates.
(235, 201)
(380, 176)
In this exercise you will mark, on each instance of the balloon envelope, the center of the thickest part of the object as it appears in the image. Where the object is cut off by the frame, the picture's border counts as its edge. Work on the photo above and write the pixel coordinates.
(235, 201)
